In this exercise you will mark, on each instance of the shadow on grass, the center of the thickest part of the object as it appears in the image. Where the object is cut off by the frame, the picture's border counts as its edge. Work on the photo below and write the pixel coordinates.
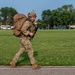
(26, 57)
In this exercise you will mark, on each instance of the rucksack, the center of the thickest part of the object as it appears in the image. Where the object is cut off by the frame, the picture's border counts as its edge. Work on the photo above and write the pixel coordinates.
(19, 20)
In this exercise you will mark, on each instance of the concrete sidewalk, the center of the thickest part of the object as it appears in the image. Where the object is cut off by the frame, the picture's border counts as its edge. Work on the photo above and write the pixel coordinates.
(44, 70)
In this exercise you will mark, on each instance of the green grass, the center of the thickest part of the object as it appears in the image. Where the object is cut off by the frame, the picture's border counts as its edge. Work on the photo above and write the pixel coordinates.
(51, 48)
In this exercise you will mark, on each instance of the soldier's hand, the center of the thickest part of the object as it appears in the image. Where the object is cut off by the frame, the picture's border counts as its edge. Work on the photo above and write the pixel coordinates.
(31, 34)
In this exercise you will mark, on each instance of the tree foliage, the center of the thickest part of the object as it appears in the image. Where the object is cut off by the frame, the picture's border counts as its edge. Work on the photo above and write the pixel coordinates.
(64, 15)
(6, 15)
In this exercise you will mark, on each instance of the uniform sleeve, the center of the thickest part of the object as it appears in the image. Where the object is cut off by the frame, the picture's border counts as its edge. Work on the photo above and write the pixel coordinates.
(25, 27)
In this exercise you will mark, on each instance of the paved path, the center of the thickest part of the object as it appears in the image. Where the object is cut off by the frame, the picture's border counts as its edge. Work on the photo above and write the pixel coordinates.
(45, 70)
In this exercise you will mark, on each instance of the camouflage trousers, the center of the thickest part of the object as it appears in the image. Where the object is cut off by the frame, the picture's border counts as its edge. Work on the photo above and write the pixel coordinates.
(25, 46)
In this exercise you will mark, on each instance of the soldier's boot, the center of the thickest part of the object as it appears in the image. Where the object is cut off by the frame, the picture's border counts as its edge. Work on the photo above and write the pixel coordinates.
(35, 66)
(13, 63)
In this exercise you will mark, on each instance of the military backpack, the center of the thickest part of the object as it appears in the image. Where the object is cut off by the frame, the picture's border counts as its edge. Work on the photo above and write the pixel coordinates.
(19, 20)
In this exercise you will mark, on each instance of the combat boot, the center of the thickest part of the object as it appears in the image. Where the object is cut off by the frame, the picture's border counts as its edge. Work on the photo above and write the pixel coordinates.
(35, 66)
(13, 64)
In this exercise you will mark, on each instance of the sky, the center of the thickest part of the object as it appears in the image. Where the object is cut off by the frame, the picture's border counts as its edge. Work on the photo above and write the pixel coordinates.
(26, 6)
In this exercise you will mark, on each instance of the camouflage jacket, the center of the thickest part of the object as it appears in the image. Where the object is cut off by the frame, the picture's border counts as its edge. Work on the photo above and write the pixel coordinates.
(27, 28)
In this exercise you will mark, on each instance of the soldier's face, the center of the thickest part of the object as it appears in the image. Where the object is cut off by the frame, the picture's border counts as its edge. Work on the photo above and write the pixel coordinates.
(32, 18)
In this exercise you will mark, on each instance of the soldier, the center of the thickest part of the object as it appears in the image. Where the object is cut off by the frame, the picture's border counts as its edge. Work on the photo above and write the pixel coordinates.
(28, 31)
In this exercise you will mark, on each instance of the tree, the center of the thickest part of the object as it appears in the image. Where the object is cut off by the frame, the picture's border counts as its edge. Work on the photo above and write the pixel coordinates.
(39, 23)
(64, 15)
(7, 14)
(68, 13)
(46, 16)
(73, 17)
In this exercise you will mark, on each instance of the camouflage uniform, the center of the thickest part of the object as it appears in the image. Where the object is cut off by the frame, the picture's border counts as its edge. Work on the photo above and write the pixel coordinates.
(25, 41)
(28, 31)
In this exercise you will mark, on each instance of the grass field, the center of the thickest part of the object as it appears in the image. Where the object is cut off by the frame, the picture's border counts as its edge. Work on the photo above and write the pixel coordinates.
(51, 48)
